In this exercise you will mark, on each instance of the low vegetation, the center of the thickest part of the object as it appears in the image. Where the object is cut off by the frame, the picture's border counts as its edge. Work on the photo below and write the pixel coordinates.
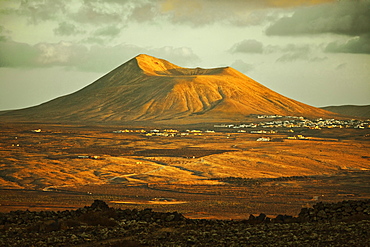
(345, 223)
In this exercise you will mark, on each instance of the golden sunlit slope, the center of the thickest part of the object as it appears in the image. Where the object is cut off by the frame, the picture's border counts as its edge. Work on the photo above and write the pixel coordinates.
(146, 88)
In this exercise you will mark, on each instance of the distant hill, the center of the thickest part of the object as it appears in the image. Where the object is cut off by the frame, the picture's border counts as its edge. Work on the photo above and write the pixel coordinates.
(350, 110)
(150, 89)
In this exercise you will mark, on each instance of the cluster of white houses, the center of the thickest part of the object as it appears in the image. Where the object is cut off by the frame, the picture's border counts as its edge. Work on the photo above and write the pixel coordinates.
(299, 122)
(276, 124)
(165, 132)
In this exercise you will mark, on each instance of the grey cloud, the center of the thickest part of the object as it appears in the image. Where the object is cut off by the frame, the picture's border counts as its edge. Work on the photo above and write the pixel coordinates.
(350, 18)
(293, 56)
(109, 31)
(341, 66)
(317, 59)
(206, 12)
(97, 36)
(242, 66)
(293, 47)
(236, 12)
(60, 54)
(40, 10)
(355, 45)
(255, 17)
(103, 59)
(4, 34)
(194, 13)
(247, 46)
(7, 8)
(15, 54)
(81, 11)
(76, 56)
(293, 52)
(182, 56)
(67, 29)
(190, 12)
(343, 17)
(3, 38)
(97, 13)
(94, 40)
(144, 13)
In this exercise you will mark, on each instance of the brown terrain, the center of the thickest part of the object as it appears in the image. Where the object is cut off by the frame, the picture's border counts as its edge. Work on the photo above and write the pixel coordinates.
(212, 175)
(194, 184)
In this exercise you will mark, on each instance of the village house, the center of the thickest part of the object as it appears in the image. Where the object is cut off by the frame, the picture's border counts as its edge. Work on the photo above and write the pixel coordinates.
(297, 137)
(264, 139)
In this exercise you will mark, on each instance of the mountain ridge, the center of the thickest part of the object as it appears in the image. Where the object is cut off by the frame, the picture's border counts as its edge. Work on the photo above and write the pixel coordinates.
(146, 88)
(350, 110)
(160, 67)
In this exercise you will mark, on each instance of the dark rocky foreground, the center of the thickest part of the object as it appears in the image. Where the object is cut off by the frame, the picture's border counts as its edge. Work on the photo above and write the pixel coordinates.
(345, 223)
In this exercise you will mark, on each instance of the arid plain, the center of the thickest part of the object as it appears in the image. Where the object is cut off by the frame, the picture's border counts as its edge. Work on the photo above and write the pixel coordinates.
(203, 174)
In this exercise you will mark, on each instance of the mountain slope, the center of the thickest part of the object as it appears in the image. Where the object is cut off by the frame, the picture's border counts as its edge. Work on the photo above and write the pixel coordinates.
(150, 89)
(350, 110)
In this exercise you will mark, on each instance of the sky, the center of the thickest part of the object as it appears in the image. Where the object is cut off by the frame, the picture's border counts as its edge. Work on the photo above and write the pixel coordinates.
(313, 51)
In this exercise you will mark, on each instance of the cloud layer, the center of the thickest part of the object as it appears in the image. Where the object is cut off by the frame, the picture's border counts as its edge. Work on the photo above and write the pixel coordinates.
(359, 44)
(88, 27)
(349, 18)
(96, 58)
(344, 17)
(288, 53)
(193, 12)
(248, 46)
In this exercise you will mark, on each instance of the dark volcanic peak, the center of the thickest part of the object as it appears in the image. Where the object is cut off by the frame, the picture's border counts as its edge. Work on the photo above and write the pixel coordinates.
(150, 89)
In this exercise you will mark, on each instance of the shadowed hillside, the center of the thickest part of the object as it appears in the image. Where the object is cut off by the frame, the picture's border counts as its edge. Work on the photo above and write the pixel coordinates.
(350, 110)
(150, 89)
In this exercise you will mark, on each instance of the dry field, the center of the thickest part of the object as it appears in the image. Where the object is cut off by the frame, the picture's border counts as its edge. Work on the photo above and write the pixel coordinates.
(212, 175)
